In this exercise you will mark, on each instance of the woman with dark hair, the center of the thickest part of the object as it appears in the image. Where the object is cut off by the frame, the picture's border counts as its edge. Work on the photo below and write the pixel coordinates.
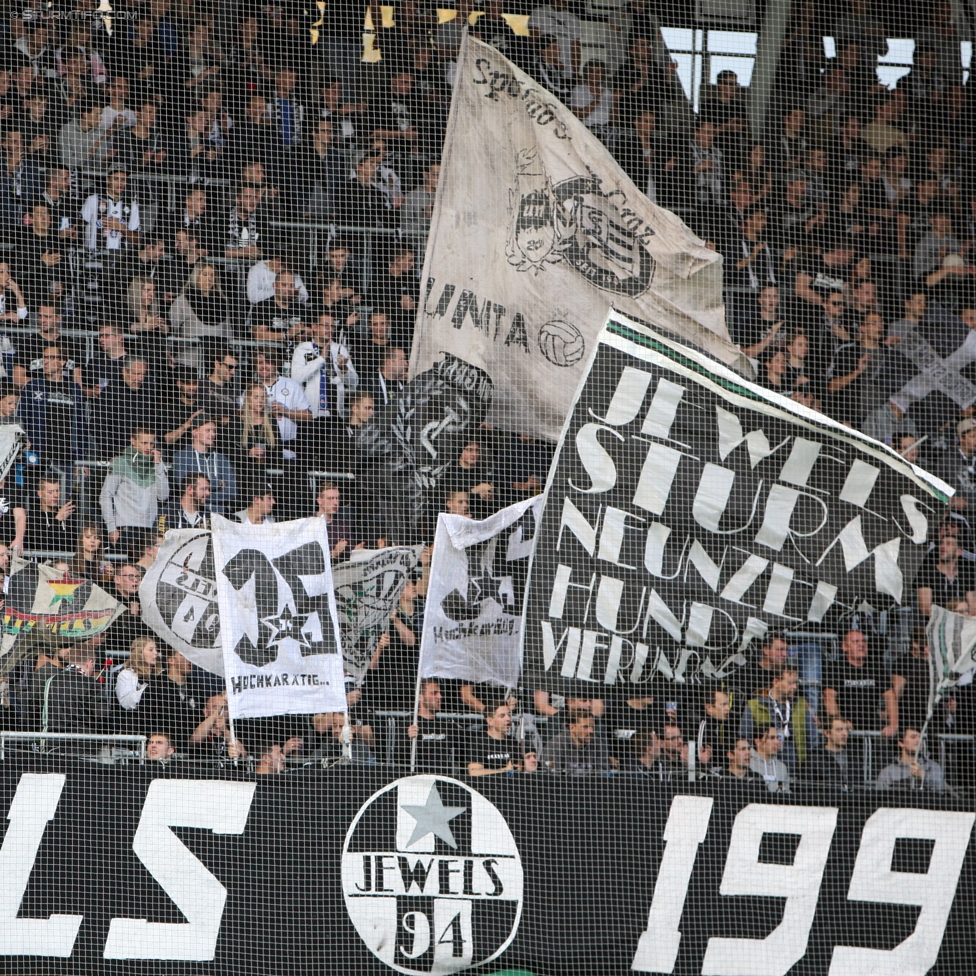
(89, 563)
(775, 373)
(201, 309)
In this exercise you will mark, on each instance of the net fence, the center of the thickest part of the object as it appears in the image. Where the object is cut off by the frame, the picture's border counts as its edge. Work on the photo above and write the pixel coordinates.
(487, 487)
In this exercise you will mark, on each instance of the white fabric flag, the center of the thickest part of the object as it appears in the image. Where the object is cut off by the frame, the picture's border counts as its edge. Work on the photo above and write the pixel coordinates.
(536, 232)
(279, 628)
(952, 651)
(179, 598)
(473, 615)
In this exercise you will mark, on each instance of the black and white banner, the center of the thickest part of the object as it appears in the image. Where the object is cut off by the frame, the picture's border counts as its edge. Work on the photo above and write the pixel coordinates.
(367, 588)
(688, 512)
(472, 620)
(179, 598)
(518, 280)
(347, 871)
(280, 632)
(414, 440)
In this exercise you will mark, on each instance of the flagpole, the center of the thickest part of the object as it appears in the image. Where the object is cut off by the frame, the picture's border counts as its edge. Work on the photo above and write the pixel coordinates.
(416, 715)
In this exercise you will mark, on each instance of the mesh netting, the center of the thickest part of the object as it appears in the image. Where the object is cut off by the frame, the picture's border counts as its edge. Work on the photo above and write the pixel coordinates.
(489, 498)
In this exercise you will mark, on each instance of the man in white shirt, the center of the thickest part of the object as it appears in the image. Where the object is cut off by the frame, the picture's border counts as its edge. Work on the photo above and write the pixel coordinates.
(286, 398)
(111, 219)
(261, 279)
(325, 370)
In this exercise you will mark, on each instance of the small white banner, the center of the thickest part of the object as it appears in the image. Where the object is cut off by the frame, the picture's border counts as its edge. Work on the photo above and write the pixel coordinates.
(279, 628)
(473, 617)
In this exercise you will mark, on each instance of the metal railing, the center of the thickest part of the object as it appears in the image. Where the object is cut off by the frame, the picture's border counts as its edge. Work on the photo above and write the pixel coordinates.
(139, 741)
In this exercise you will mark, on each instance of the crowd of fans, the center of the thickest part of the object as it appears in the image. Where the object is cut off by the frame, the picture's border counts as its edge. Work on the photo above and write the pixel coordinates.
(161, 167)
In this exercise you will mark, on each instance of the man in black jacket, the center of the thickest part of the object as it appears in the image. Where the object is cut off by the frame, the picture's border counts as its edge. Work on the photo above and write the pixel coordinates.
(72, 700)
(832, 766)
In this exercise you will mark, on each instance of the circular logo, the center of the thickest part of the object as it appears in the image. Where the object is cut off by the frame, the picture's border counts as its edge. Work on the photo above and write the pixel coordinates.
(431, 876)
(186, 598)
(561, 343)
(598, 239)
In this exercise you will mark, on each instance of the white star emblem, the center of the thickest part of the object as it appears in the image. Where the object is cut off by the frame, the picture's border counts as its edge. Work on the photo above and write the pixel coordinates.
(433, 818)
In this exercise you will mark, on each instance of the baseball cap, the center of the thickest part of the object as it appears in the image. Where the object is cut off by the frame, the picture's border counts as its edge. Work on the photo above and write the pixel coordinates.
(966, 424)
(200, 419)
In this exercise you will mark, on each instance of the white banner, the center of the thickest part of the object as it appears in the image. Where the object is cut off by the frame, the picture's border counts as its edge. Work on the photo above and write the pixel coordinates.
(473, 616)
(536, 231)
(279, 628)
(179, 598)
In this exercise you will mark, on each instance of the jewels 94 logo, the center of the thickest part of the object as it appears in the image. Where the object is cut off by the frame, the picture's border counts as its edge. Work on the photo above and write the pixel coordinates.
(431, 876)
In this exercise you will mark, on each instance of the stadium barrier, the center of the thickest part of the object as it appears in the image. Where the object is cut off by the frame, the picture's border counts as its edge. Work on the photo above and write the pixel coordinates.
(106, 869)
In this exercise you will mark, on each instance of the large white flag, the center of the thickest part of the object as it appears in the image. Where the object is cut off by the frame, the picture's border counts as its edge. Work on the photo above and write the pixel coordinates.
(279, 628)
(536, 231)
(473, 615)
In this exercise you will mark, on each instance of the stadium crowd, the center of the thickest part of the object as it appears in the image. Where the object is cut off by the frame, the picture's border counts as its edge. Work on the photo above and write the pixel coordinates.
(171, 349)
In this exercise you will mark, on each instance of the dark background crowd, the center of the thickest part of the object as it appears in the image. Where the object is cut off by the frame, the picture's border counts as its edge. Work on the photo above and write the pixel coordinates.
(212, 223)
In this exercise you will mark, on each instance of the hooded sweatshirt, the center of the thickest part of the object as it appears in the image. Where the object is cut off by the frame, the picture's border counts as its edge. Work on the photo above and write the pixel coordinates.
(132, 491)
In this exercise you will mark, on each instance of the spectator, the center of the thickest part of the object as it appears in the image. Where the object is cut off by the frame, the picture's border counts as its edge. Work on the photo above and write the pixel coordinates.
(281, 316)
(387, 384)
(578, 749)
(130, 396)
(83, 144)
(191, 510)
(246, 237)
(201, 458)
(764, 762)
(910, 679)
(257, 445)
(142, 666)
(200, 310)
(111, 218)
(959, 465)
(389, 681)
(213, 734)
(159, 747)
(913, 771)
(72, 699)
(490, 749)
(172, 701)
(945, 578)
(29, 362)
(436, 738)
(788, 713)
(739, 768)
(832, 767)
(340, 530)
(216, 395)
(858, 688)
(20, 180)
(89, 562)
(326, 372)
(260, 506)
(286, 398)
(181, 401)
(757, 676)
(714, 729)
(54, 414)
(135, 486)
(51, 526)
(105, 366)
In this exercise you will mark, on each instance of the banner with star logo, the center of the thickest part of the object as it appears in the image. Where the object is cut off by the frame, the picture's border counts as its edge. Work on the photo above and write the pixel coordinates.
(278, 624)
(473, 617)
